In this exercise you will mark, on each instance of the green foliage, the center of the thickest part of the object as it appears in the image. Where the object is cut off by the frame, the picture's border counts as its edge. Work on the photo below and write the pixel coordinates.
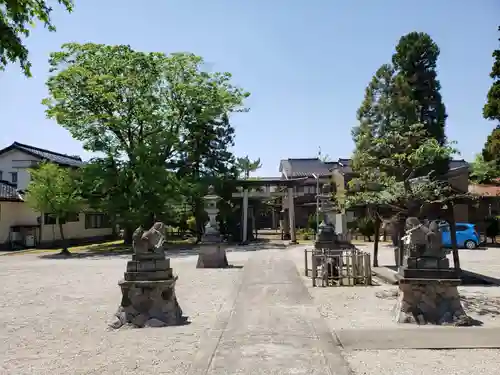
(366, 226)
(311, 222)
(483, 171)
(191, 224)
(246, 166)
(53, 190)
(492, 227)
(491, 111)
(305, 234)
(16, 19)
(161, 122)
(491, 149)
(400, 136)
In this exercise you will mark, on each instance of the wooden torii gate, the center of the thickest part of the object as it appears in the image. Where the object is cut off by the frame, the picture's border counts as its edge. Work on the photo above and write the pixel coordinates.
(289, 184)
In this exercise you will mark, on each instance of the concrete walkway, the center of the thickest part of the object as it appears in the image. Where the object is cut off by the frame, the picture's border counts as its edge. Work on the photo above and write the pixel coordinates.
(272, 328)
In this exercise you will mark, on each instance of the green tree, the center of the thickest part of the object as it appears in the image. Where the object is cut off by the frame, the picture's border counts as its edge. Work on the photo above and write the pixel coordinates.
(16, 19)
(161, 122)
(246, 166)
(491, 111)
(417, 88)
(117, 102)
(401, 133)
(53, 190)
(483, 171)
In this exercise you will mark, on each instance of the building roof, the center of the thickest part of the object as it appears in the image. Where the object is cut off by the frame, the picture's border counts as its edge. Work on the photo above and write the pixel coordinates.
(306, 167)
(8, 192)
(54, 157)
(485, 190)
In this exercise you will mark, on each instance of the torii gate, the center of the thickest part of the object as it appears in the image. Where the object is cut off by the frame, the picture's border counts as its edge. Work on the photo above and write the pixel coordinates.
(267, 183)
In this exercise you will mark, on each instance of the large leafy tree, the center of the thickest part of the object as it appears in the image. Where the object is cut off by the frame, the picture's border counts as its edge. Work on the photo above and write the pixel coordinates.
(116, 101)
(483, 171)
(491, 111)
(400, 137)
(205, 101)
(16, 19)
(53, 190)
(160, 121)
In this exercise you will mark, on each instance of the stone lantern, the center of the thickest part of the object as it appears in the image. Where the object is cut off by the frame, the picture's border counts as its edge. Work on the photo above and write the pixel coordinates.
(326, 238)
(211, 254)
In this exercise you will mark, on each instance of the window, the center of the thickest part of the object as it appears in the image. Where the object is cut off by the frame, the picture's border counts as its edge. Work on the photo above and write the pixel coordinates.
(462, 228)
(13, 177)
(70, 217)
(49, 219)
(93, 221)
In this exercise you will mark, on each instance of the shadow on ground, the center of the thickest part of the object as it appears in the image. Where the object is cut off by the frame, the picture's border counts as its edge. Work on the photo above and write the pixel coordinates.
(171, 250)
(481, 304)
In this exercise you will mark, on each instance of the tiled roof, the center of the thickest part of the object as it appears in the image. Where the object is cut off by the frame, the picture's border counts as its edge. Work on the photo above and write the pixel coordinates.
(454, 164)
(306, 167)
(55, 157)
(309, 166)
(8, 192)
(485, 190)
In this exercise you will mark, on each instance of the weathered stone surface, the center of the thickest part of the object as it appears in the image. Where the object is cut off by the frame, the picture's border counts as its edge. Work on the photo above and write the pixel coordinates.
(148, 265)
(148, 288)
(151, 275)
(148, 304)
(149, 256)
(212, 257)
(431, 303)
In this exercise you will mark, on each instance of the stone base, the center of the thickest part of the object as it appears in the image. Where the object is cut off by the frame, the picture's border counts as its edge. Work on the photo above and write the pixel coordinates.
(148, 304)
(431, 302)
(212, 257)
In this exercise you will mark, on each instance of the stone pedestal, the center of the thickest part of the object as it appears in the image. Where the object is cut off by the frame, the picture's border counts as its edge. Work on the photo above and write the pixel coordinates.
(148, 293)
(212, 256)
(427, 301)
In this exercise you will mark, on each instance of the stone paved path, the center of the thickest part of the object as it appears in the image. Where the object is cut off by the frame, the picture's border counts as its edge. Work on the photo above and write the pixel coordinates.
(272, 328)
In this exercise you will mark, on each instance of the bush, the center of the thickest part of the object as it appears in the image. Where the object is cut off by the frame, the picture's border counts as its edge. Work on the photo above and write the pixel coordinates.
(311, 222)
(366, 227)
(492, 227)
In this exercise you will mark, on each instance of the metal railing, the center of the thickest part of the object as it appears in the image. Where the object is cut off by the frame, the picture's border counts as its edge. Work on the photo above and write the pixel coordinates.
(344, 267)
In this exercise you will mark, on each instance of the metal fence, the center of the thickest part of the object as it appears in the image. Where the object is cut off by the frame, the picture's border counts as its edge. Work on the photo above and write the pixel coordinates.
(347, 267)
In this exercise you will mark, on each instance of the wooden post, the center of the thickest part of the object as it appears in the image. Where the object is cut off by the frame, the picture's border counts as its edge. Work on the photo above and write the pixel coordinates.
(377, 235)
(453, 234)
(306, 272)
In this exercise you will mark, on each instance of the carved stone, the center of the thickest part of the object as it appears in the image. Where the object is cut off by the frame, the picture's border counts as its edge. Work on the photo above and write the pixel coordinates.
(211, 253)
(148, 288)
(431, 302)
(428, 288)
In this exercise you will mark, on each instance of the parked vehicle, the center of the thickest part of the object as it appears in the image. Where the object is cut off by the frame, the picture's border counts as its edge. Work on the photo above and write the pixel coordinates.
(467, 235)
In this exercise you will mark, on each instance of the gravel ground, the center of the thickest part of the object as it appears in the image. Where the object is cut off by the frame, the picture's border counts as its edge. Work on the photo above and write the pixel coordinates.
(54, 316)
(371, 307)
(424, 362)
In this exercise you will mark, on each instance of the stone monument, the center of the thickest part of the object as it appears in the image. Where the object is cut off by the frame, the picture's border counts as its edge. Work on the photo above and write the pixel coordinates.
(148, 288)
(211, 253)
(428, 291)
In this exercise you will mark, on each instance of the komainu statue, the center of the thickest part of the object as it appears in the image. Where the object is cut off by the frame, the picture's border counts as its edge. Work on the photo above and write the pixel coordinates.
(149, 241)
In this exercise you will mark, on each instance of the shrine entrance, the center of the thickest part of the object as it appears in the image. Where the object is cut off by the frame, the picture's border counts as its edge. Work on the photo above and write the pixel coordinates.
(267, 188)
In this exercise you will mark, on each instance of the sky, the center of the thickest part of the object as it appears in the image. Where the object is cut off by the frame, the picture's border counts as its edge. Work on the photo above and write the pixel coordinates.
(305, 63)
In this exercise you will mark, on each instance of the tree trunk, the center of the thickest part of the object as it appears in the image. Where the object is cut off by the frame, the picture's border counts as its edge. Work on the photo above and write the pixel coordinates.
(375, 245)
(401, 229)
(453, 235)
(65, 249)
(128, 232)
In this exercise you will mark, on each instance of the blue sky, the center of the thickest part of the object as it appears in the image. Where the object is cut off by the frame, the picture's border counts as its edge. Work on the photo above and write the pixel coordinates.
(306, 64)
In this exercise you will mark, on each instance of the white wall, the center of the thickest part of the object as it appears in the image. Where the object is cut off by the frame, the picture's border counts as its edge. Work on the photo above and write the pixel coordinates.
(19, 213)
(17, 161)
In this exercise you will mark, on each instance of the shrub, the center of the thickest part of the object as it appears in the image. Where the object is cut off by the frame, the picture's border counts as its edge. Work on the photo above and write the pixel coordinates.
(366, 227)
(492, 227)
